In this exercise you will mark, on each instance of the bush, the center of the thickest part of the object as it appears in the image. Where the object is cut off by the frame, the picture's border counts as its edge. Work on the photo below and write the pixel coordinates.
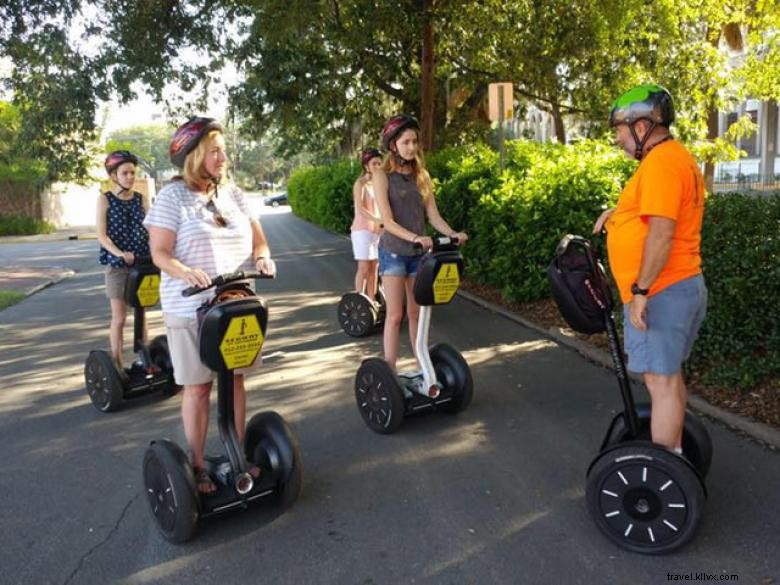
(323, 195)
(19, 225)
(739, 344)
(515, 220)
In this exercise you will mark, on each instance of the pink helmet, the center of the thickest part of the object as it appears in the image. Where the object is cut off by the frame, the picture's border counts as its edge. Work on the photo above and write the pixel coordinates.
(187, 137)
(394, 126)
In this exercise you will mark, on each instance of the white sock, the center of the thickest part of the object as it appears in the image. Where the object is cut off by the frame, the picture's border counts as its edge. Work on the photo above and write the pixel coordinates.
(678, 450)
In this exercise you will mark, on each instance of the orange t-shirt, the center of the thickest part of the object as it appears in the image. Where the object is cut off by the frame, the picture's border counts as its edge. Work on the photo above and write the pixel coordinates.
(668, 183)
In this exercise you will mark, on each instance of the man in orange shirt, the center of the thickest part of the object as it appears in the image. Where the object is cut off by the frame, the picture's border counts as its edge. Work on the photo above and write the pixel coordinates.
(654, 238)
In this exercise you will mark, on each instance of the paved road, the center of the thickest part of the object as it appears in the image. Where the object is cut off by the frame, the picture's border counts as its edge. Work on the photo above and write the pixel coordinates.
(494, 495)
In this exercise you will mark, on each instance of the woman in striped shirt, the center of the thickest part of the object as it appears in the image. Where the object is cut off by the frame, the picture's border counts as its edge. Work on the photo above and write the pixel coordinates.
(197, 231)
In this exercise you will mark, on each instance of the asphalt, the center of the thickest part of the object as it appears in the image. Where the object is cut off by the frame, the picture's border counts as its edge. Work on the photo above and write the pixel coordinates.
(28, 279)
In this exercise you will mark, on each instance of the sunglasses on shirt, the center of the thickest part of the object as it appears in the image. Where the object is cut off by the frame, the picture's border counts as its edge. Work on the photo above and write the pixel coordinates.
(219, 219)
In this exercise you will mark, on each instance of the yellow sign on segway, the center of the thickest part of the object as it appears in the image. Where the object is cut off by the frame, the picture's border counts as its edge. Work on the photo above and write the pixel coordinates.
(242, 341)
(446, 283)
(149, 290)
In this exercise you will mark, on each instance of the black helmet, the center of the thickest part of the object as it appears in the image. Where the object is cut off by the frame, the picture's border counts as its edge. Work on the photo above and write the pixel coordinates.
(394, 126)
(644, 102)
(187, 137)
(117, 158)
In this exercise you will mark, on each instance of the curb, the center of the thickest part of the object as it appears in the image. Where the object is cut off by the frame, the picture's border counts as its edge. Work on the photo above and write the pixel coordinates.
(62, 276)
(756, 430)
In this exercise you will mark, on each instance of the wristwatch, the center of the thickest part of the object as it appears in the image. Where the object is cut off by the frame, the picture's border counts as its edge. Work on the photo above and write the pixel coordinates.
(635, 290)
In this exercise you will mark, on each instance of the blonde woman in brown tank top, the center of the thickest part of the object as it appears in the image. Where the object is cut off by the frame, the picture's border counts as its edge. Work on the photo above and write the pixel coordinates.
(404, 195)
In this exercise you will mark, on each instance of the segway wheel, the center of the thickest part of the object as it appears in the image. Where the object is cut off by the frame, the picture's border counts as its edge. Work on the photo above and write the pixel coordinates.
(379, 396)
(272, 445)
(161, 357)
(103, 381)
(169, 483)
(644, 498)
(453, 373)
(357, 315)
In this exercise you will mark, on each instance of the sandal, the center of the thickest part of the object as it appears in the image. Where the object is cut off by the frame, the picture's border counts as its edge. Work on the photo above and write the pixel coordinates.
(203, 481)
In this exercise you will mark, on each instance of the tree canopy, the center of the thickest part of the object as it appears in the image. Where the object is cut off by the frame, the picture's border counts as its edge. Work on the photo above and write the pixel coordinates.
(323, 75)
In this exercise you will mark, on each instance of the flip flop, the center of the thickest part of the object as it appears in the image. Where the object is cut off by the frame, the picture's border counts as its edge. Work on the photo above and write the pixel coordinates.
(203, 482)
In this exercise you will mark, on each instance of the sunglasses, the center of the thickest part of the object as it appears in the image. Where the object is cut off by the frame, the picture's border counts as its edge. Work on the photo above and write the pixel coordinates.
(218, 217)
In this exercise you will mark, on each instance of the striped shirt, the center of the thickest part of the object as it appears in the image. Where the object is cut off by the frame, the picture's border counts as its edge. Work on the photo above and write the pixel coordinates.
(200, 242)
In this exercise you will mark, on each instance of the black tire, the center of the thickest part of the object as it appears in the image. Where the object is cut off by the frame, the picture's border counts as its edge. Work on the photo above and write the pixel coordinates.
(271, 444)
(379, 396)
(103, 381)
(169, 483)
(453, 373)
(357, 315)
(644, 498)
(160, 356)
(696, 442)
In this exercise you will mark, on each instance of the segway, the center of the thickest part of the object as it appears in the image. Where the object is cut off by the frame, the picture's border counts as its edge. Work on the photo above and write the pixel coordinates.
(444, 384)
(109, 386)
(232, 331)
(642, 496)
(359, 315)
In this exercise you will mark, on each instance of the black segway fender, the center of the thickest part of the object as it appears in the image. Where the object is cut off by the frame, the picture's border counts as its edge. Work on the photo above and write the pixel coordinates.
(271, 443)
(161, 357)
(453, 373)
(697, 445)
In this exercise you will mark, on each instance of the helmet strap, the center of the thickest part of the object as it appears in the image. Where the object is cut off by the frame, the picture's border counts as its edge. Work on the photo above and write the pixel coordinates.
(401, 161)
(640, 144)
(122, 188)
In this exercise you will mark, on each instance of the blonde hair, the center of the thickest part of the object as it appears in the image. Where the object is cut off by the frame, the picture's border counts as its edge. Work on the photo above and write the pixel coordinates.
(421, 176)
(194, 173)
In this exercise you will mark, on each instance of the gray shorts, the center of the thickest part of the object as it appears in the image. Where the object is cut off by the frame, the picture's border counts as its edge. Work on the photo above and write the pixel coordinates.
(116, 282)
(182, 335)
(674, 316)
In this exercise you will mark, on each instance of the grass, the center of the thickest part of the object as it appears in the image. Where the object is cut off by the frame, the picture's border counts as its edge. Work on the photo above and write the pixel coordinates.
(9, 297)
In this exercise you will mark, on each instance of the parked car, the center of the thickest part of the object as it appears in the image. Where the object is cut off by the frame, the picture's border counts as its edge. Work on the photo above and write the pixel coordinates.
(277, 200)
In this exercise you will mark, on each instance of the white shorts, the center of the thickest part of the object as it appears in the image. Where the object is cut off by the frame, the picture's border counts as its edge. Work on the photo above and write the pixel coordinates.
(365, 245)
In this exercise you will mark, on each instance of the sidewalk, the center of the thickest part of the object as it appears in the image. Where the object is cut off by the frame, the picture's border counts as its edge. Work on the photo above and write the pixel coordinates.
(26, 280)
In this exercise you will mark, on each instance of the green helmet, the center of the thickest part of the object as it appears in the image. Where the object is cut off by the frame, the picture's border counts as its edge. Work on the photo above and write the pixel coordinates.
(643, 102)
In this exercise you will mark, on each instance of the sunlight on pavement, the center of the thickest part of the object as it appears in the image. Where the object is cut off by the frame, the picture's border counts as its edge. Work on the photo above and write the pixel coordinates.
(475, 357)
(516, 525)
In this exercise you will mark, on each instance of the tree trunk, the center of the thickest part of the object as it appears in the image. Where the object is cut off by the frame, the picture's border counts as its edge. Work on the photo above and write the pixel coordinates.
(769, 142)
(712, 134)
(427, 80)
(560, 131)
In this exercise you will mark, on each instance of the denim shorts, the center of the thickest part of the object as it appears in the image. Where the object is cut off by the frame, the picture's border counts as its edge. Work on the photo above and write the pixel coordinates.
(673, 318)
(396, 265)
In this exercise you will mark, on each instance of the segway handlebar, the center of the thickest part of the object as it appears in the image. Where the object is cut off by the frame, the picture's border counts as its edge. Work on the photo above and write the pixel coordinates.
(225, 279)
(440, 243)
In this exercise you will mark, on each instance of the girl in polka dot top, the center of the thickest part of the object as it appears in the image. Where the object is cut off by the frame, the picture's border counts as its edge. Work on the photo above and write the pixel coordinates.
(123, 239)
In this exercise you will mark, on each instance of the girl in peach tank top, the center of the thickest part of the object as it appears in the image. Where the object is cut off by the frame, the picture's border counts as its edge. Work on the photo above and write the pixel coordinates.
(366, 225)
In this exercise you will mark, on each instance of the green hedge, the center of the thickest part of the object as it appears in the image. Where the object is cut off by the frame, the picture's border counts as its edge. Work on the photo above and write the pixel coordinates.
(739, 344)
(516, 218)
(323, 195)
(19, 225)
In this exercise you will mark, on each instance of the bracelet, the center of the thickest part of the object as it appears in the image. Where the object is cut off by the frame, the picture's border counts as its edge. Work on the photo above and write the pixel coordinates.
(260, 258)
